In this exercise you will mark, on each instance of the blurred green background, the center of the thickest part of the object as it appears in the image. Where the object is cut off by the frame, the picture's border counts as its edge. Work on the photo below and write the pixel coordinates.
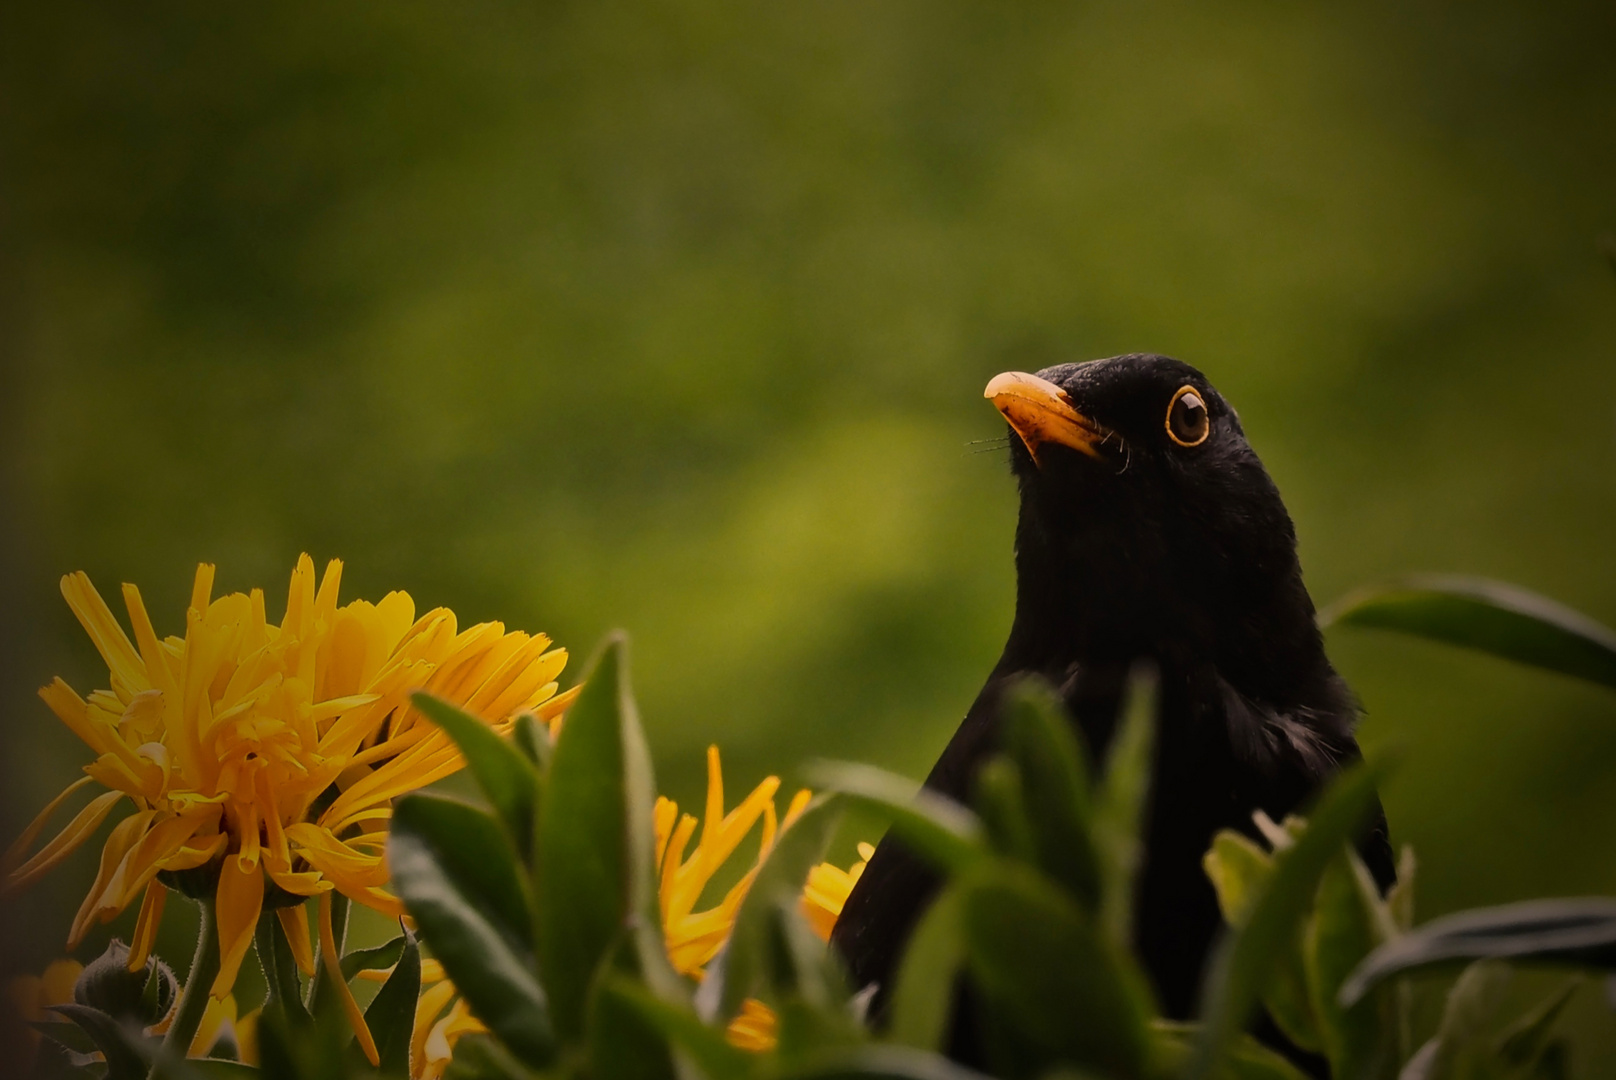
(675, 317)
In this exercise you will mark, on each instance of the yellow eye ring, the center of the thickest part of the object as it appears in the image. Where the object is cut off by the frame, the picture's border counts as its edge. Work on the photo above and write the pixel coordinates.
(1187, 423)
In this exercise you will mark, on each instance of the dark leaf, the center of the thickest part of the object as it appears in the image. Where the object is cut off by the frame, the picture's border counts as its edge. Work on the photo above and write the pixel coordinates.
(1488, 616)
(126, 1055)
(936, 827)
(391, 1015)
(1576, 931)
(376, 958)
(1244, 964)
(449, 903)
(703, 1045)
(508, 780)
(881, 1063)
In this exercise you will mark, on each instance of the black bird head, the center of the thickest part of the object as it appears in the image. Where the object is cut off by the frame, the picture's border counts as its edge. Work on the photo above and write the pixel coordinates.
(1149, 527)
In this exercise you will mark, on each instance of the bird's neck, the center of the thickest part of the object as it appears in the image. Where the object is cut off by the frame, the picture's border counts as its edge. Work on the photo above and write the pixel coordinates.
(1089, 600)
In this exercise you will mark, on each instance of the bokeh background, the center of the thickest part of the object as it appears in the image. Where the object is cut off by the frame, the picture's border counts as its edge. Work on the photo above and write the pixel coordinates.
(675, 316)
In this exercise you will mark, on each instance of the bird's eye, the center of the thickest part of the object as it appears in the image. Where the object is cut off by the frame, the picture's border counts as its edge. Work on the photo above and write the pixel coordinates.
(1187, 421)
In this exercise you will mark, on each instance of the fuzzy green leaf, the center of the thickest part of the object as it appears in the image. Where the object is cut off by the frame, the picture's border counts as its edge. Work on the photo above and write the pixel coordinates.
(431, 852)
(595, 870)
(508, 779)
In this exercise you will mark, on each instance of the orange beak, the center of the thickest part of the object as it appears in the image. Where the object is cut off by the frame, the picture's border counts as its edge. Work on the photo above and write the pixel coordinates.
(1041, 412)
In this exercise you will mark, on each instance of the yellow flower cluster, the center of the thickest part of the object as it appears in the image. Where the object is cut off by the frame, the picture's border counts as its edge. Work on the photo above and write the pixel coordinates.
(270, 753)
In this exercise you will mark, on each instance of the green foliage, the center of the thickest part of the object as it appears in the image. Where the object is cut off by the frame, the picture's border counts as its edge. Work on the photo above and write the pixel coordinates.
(1489, 616)
(542, 908)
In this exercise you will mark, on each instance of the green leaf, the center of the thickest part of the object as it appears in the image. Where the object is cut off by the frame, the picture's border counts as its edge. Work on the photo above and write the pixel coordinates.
(1001, 805)
(457, 919)
(936, 827)
(391, 1015)
(1348, 922)
(1119, 804)
(1174, 1045)
(1576, 931)
(1463, 1045)
(67, 1035)
(595, 870)
(376, 958)
(749, 959)
(531, 736)
(623, 1044)
(1048, 972)
(508, 780)
(122, 1047)
(479, 1057)
(882, 1063)
(477, 855)
(1043, 741)
(705, 1046)
(1527, 1040)
(1400, 897)
(1240, 871)
(923, 995)
(1245, 962)
(1488, 616)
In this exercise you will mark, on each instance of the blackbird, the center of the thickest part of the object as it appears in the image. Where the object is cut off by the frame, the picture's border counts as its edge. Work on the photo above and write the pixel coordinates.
(1148, 530)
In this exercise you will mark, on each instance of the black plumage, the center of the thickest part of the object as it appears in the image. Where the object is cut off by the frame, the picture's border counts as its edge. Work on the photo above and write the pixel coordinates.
(1149, 530)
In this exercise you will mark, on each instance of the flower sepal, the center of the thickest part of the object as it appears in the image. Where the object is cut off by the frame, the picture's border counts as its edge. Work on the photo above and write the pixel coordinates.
(198, 883)
(142, 998)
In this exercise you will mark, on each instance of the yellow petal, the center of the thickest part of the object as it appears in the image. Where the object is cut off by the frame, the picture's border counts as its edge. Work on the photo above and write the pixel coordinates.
(63, 843)
(151, 916)
(239, 900)
(110, 640)
(295, 921)
(215, 1017)
(333, 967)
(754, 1027)
(20, 846)
(56, 985)
(433, 1000)
(124, 836)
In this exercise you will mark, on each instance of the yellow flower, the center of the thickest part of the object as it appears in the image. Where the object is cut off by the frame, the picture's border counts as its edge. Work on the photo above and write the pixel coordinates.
(31, 996)
(270, 752)
(827, 890)
(694, 937)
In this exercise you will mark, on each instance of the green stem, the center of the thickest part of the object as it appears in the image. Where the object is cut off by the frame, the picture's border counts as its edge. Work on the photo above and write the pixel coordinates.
(194, 999)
